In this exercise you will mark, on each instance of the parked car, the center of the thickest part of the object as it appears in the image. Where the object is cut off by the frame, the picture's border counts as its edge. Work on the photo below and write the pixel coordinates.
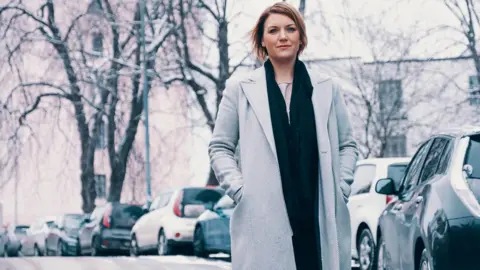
(33, 244)
(170, 222)
(435, 223)
(108, 228)
(366, 206)
(3, 241)
(15, 236)
(62, 238)
(212, 230)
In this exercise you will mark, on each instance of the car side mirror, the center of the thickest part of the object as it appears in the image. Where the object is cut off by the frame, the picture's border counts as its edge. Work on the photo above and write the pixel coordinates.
(385, 186)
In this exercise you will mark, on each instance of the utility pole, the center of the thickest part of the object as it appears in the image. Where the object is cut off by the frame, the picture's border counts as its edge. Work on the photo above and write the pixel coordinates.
(143, 6)
(17, 179)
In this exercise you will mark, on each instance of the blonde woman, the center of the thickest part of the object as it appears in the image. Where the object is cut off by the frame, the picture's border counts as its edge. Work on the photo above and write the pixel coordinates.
(297, 156)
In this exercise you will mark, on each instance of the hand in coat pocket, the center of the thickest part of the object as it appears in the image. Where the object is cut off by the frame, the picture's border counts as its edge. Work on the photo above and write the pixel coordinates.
(237, 197)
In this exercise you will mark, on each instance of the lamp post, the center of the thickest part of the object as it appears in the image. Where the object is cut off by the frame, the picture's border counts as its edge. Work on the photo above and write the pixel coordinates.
(143, 6)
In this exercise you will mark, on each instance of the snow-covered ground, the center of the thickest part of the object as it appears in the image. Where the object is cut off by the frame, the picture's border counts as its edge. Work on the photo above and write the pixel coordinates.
(113, 263)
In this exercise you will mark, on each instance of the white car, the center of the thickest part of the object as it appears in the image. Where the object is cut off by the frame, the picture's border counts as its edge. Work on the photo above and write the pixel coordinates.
(170, 222)
(366, 206)
(34, 242)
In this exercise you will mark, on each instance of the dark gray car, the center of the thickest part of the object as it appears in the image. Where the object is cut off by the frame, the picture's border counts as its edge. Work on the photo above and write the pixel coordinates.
(212, 233)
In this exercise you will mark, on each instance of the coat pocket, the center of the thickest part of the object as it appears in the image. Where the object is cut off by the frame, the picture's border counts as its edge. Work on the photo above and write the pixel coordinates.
(237, 197)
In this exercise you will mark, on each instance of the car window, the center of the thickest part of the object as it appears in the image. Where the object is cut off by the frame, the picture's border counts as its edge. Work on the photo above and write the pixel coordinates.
(414, 168)
(362, 179)
(155, 203)
(472, 156)
(396, 172)
(50, 224)
(201, 195)
(125, 215)
(433, 158)
(445, 159)
(72, 221)
(165, 199)
(21, 230)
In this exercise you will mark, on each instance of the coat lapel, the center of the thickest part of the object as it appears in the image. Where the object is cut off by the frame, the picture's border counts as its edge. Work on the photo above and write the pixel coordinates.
(322, 101)
(255, 89)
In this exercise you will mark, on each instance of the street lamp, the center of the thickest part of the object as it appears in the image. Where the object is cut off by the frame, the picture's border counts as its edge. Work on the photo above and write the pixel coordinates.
(143, 6)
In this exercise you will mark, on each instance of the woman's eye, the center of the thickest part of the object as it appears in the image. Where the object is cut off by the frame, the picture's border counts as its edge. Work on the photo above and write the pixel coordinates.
(291, 29)
(272, 31)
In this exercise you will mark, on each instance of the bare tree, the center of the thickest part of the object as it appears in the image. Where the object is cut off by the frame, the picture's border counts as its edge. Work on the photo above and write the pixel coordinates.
(100, 86)
(386, 89)
(201, 76)
(467, 12)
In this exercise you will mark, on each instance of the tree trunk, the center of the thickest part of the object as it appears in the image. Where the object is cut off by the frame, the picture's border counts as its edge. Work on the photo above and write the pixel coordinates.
(116, 182)
(301, 7)
(88, 191)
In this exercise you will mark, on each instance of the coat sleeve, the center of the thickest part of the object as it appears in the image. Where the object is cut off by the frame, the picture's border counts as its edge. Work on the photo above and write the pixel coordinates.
(224, 143)
(347, 144)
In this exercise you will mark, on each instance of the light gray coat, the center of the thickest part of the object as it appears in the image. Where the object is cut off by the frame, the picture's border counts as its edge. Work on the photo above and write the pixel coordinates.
(260, 230)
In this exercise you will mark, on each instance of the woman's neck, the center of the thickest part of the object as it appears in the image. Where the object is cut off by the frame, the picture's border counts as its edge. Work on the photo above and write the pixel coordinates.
(283, 70)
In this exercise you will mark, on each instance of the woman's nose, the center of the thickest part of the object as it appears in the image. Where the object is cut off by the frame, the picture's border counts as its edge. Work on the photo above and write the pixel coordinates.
(283, 34)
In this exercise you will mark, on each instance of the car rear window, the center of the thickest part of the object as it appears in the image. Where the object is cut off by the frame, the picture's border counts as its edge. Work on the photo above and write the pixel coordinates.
(125, 215)
(202, 195)
(21, 229)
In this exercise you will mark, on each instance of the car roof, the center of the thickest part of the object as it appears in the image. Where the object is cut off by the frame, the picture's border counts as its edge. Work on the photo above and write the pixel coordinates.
(384, 161)
(462, 131)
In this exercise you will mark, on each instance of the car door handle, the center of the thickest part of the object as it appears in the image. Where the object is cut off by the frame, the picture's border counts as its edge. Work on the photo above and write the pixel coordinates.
(419, 200)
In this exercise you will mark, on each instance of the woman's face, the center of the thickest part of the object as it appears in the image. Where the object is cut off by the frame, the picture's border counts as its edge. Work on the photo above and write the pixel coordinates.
(281, 38)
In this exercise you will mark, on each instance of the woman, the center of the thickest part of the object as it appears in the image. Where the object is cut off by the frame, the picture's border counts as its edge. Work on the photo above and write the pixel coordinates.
(296, 156)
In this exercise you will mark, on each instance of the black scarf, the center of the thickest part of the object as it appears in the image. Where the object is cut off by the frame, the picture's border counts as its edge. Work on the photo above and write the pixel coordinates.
(296, 144)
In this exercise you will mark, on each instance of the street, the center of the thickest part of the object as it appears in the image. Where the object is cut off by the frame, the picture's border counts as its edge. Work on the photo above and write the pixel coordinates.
(113, 263)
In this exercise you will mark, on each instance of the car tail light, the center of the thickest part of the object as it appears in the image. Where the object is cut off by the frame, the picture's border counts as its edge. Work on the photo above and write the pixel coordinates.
(458, 179)
(388, 199)
(107, 217)
(177, 206)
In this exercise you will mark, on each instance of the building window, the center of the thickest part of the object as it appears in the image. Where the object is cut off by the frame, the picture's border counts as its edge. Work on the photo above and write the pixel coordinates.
(101, 186)
(97, 44)
(396, 146)
(390, 95)
(100, 141)
(474, 90)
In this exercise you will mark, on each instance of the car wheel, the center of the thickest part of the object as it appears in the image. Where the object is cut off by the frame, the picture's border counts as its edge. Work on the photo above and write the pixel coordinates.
(379, 261)
(36, 251)
(163, 247)
(78, 248)
(199, 243)
(366, 249)
(133, 247)
(424, 263)
(95, 247)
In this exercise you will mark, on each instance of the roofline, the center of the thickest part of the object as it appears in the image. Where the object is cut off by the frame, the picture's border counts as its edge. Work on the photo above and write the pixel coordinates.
(395, 61)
